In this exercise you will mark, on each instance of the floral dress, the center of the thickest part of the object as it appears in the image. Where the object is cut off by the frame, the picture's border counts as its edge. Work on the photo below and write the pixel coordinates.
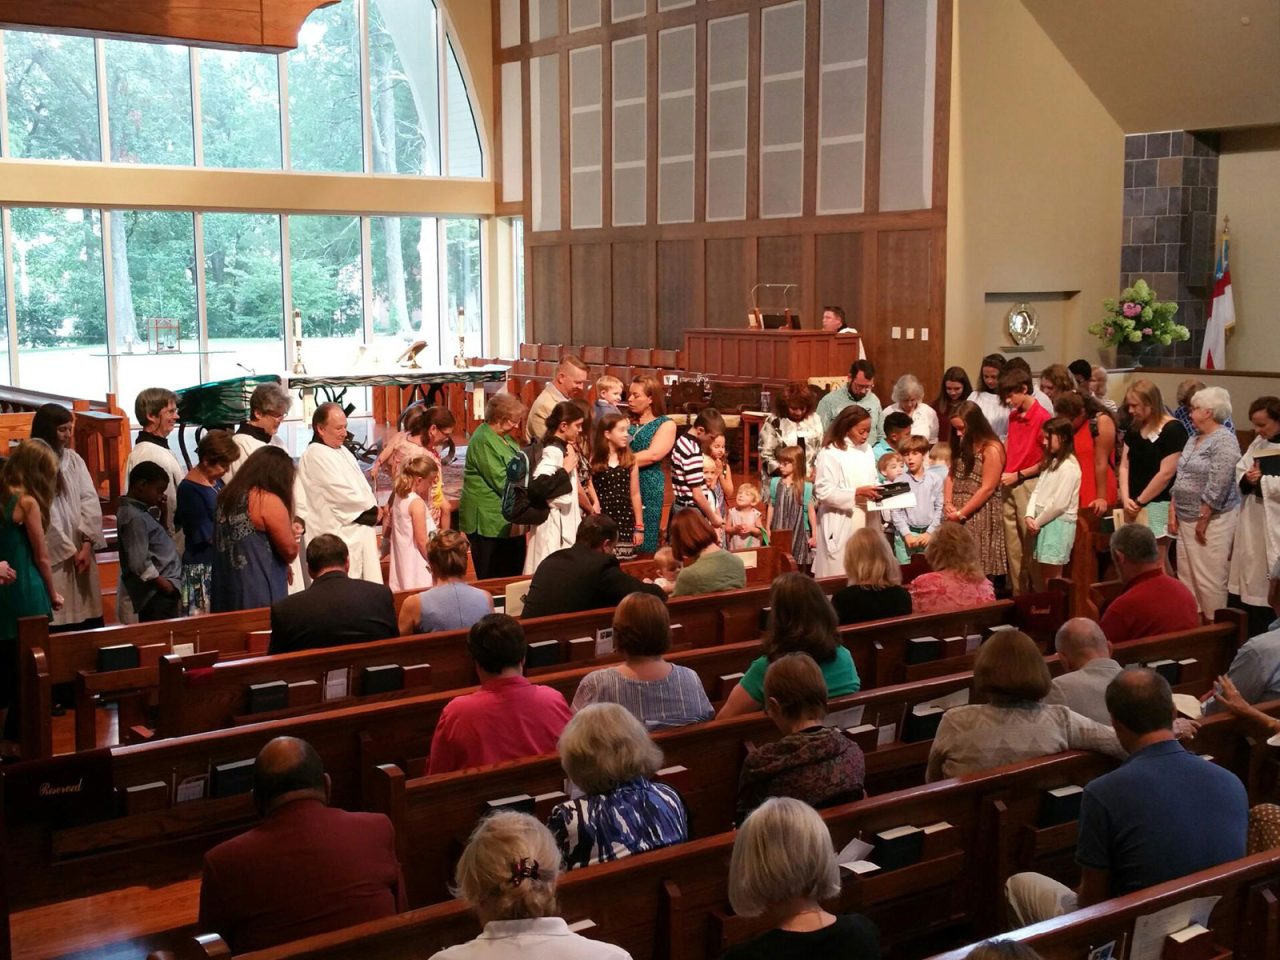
(987, 525)
(653, 483)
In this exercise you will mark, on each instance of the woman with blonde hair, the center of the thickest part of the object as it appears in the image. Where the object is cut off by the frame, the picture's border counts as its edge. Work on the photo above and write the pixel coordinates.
(451, 604)
(607, 754)
(788, 889)
(412, 524)
(1015, 723)
(956, 578)
(507, 874)
(28, 484)
(1149, 461)
(875, 589)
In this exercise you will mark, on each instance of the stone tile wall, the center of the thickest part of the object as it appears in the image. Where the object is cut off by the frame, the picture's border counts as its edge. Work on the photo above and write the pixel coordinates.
(1170, 217)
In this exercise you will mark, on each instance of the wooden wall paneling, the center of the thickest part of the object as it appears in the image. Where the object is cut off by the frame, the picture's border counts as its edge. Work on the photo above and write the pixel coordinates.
(942, 106)
(633, 304)
(906, 292)
(677, 291)
(548, 280)
(651, 119)
(875, 82)
(700, 124)
(810, 306)
(606, 126)
(840, 277)
(778, 261)
(753, 117)
(750, 272)
(566, 129)
(727, 285)
(591, 294)
(700, 283)
(526, 136)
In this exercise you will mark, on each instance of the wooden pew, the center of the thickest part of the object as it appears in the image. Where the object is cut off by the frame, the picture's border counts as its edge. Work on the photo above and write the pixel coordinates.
(105, 856)
(432, 814)
(1245, 921)
(672, 903)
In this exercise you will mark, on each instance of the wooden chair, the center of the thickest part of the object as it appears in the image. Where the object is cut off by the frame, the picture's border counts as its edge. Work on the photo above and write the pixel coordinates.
(529, 351)
(592, 355)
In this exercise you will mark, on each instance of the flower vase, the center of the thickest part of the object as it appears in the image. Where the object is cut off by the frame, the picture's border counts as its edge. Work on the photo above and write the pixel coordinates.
(1148, 353)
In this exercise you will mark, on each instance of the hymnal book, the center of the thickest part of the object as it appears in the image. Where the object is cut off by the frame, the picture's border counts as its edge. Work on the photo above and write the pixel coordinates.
(513, 605)
(893, 496)
(145, 797)
(921, 722)
(865, 735)
(583, 925)
(1166, 668)
(304, 693)
(272, 695)
(895, 489)
(229, 779)
(848, 717)
(519, 803)
(1060, 805)
(899, 847)
(544, 653)
(1268, 461)
(383, 678)
(1194, 942)
(120, 656)
(923, 649)
(763, 622)
(938, 839)
(972, 641)
(1188, 670)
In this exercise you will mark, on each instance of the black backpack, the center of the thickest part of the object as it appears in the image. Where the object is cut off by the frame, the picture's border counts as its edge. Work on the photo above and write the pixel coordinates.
(525, 506)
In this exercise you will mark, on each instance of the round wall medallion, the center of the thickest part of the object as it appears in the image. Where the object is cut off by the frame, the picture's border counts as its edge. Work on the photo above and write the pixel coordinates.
(1024, 324)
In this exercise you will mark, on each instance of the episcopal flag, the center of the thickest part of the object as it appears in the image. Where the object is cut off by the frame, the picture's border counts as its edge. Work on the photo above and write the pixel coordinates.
(1222, 315)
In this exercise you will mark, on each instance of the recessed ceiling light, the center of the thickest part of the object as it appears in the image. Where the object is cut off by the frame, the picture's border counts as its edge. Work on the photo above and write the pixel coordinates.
(1245, 21)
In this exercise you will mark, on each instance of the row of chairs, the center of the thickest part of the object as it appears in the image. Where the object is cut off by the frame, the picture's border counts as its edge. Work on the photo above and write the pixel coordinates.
(613, 356)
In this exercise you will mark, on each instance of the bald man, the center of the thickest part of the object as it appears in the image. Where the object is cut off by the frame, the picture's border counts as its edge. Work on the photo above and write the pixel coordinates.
(308, 868)
(568, 384)
(1087, 666)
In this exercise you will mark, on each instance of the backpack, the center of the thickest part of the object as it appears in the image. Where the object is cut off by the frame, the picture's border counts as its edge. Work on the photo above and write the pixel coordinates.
(517, 504)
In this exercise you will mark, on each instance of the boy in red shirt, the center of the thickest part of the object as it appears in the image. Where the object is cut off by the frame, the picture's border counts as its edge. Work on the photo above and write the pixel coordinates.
(1022, 466)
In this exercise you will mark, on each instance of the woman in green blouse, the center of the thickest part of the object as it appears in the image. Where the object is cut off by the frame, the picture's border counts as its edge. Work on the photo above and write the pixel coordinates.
(495, 549)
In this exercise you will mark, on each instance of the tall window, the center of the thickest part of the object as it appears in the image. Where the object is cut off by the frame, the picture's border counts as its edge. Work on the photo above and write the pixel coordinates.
(89, 286)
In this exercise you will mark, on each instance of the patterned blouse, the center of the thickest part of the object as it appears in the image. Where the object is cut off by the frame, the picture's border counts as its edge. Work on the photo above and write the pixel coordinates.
(675, 700)
(943, 590)
(1207, 473)
(979, 737)
(634, 817)
(819, 765)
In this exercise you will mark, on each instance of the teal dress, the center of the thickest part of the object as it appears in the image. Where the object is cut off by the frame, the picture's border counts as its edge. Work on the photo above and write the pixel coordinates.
(25, 597)
(653, 484)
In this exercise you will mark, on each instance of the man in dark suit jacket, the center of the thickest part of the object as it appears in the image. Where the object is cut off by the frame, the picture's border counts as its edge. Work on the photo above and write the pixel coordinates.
(585, 576)
(335, 609)
(308, 868)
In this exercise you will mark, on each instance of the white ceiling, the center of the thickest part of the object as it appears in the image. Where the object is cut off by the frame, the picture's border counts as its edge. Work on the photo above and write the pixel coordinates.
(1172, 64)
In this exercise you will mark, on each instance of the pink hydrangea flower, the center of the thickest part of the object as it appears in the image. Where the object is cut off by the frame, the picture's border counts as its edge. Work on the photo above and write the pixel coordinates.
(1131, 309)
(1146, 331)
(1110, 331)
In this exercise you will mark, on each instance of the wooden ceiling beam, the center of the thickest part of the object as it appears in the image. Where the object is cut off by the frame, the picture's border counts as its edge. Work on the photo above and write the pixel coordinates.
(265, 26)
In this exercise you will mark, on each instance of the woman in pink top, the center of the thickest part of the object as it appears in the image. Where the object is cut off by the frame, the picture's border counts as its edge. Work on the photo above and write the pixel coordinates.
(956, 579)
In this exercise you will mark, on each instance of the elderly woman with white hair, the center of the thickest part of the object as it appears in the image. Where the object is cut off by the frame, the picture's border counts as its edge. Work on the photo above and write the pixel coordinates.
(783, 865)
(507, 874)
(1206, 501)
(908, 398)
(607, 754)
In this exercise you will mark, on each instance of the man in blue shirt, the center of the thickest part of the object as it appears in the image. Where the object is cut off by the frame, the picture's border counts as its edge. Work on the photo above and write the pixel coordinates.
(1163, 814)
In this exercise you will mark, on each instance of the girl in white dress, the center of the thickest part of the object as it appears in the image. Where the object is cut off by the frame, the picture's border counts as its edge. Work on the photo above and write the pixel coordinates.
(844, 480)
(412, 525)
(560, 453)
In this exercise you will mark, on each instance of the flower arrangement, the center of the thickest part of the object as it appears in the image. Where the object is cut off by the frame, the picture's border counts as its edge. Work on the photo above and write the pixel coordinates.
(1137, 317)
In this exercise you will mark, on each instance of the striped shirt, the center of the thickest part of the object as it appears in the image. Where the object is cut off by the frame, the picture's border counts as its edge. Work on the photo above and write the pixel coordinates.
(634, 817)
(686, 469)
(674, 701)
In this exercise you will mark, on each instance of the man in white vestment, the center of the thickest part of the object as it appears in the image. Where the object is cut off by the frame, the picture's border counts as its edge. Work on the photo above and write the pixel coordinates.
(332, 495)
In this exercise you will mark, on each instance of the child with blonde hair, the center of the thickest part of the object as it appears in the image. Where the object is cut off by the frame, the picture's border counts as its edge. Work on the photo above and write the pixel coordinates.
(745, 523)
(890, 466)
(713, 473)
(1052, 509)
(412, 524)
(668, 568)
(608, 396)
(791, 505)
(939, 460)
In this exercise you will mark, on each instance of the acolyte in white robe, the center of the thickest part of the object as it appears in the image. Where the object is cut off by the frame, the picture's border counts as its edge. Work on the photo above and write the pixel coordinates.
(248, 444)
(838, 473)
(1257, 543)
(331, 491)
(560, 529)
(75, 518)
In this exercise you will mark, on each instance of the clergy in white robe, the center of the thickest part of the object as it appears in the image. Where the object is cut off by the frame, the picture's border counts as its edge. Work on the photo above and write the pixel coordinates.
(1257, 543)
(268, 406)
(333, 496)
(75, 519)
(843, 468)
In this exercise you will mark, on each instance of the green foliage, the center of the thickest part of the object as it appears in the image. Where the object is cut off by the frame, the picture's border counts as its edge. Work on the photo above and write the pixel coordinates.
(58, 284)
(1138, 317)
